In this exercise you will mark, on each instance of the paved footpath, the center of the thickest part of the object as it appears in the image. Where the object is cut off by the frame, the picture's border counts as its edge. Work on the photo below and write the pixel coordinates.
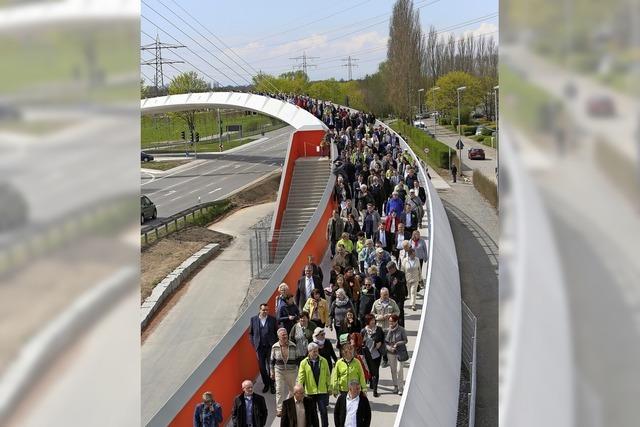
(474, 224)
(201, 316)
(450, 138)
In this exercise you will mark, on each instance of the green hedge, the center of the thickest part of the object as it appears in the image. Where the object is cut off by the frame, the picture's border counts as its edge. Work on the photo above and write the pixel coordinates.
(486, 187)
(419, 140)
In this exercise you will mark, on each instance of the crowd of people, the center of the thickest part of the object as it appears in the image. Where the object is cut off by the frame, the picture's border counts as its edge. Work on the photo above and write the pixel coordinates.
(377, 259)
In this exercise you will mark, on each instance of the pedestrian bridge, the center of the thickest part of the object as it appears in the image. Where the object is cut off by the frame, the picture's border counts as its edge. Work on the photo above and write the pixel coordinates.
(432, 380)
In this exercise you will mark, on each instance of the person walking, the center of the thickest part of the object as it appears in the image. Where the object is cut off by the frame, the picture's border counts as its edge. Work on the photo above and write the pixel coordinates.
(339, 308)
(412, 271)
(299, 410)
(262, 332)
(208, 413)
(289, 313)
(347, 368)
(335, 228)
(454, 172)
(395, 338)
(397, 287)
(318, 308)
(373, 339)
(249, 408)
(325, 348)
(302, 334)
(367, 298)
(306, 284)
(352, 409)
(313, 375)
(284, 369)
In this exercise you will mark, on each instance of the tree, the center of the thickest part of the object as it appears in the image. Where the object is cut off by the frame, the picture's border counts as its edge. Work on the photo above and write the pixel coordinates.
(188, 82)
(405, 53)
(446, 99)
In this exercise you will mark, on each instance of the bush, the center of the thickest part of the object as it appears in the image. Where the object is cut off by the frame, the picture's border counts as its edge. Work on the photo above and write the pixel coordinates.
(486, 187)
(469, 130)
(419, 140)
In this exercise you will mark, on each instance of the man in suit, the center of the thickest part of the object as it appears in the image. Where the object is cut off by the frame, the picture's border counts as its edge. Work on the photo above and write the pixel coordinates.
(306, 285)
(262, 332)
(249, 408)
(352, 409)
(383, 236)
(299, 407)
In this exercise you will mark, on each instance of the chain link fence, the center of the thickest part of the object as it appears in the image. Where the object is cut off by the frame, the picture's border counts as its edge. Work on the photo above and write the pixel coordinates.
(469, 334)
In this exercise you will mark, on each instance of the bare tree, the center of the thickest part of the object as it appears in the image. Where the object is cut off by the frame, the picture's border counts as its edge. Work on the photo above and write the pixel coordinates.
(405, 54)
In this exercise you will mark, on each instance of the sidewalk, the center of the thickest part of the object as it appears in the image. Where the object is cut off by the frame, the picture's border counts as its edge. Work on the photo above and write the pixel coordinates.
(201, 316)
(385, 407)
(450, 138)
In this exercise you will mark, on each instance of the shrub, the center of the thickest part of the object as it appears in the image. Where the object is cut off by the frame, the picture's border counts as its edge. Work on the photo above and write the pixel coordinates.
(486, 187)
(419, 140)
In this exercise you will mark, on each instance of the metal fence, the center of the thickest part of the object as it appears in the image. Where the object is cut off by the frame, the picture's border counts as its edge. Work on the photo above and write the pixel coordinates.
(267, 249)
(177, 222)
(469, 338)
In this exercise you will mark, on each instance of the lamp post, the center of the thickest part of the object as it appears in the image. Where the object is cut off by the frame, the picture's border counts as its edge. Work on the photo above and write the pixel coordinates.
(420, 102)
(458, 90)
(495, 110)
(433, 101)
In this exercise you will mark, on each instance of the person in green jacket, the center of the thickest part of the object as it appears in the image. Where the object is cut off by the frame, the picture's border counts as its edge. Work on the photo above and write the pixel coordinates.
(313, 374)
(347, 368)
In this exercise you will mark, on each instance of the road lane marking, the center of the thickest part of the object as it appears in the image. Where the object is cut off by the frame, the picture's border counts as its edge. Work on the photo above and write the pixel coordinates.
(176, 198)
(217, 189)
(171, 192)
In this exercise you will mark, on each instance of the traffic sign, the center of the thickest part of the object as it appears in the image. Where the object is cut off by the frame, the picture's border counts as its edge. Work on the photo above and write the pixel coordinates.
(459, 145)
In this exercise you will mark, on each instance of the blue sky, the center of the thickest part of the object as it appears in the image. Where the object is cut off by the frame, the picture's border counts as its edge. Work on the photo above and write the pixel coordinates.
(267, 33)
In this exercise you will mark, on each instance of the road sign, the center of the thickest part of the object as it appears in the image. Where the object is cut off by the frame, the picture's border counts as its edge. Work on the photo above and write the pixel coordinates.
(426, 151)
(459, 145)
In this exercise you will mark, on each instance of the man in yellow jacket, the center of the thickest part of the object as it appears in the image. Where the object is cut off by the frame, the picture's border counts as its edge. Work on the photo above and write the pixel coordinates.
(347, 368)
(313, 374)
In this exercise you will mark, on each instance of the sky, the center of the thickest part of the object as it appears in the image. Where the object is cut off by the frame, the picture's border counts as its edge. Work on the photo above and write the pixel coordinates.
(231, 41)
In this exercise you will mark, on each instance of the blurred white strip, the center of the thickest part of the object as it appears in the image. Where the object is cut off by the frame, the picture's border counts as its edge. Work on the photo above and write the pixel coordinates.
(67, 12)
(42, 349)
(537, 374)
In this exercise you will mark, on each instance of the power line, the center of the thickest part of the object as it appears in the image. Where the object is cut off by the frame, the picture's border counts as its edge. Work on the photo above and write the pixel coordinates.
(157, 47)
(198, 43)
(217, 38)
(350, 63)
(175, 53)
(304, 58)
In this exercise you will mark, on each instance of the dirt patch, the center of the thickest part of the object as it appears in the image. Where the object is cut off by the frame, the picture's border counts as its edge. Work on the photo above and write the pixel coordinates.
(162, 257)
(166, 255)
(263, 192)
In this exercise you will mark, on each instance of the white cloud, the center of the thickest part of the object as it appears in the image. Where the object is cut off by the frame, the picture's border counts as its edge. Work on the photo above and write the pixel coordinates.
(484, 28)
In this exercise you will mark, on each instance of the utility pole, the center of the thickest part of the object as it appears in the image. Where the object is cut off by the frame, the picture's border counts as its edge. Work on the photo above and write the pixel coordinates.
(350, 63)
(219, 130)
(158, 61)
(459, 145)
(304, 65)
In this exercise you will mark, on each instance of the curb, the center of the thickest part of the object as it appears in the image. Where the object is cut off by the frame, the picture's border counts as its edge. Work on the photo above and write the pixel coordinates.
(173, 280)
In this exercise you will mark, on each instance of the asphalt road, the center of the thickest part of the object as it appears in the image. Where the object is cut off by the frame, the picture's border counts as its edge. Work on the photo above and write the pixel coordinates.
(213, 176)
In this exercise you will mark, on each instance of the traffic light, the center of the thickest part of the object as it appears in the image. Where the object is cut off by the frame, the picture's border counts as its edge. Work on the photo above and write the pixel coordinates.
(182, 134)
(197, 137)
(191, 136)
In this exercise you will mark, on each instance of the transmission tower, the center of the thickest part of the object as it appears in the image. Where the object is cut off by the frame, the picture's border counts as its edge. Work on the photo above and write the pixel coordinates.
(158, 61)
(350, 63)
(305, 64)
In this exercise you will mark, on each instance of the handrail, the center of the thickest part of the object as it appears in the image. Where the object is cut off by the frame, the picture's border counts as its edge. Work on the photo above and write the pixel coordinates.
(238, 331)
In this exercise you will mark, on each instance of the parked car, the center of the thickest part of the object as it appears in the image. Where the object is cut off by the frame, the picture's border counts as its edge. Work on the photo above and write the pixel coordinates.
(601, 106)
(418, 124)
(479, 130)
(145, 157)
(147, 209)
(475, 154)
(14, 212)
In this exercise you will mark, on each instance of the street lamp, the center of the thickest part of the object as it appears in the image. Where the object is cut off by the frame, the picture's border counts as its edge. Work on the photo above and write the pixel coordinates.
(495, 110)
(458, 90)
(420, 102)
(433, 101)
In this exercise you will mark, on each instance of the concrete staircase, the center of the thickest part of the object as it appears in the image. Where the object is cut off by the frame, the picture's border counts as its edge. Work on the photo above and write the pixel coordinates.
(310, 176)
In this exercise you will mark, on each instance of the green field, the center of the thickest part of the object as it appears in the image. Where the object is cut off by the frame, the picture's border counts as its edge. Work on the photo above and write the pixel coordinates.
(168, 127)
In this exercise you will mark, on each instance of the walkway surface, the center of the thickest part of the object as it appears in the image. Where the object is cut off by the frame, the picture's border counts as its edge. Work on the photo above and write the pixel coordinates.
(450, 138)
(384, 407)
(474, 224)
(201, 316)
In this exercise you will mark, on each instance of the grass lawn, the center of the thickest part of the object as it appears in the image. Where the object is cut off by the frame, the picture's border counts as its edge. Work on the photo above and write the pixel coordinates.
(163, 165)
(206, 146)
(168, 127)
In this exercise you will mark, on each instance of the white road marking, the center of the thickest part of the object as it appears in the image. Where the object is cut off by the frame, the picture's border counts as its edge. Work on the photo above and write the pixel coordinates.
(170, 192)
(217, 189)
(176, 198)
